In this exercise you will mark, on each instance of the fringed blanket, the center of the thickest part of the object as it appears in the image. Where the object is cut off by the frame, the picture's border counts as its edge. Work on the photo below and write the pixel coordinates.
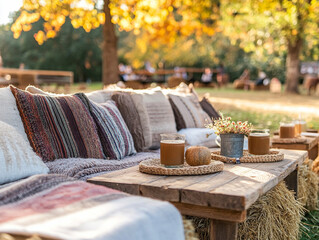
(84, 168)
(59, 207)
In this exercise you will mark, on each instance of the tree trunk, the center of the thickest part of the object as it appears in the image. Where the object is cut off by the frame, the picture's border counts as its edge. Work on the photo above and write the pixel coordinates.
(109, 49)
(292, 66)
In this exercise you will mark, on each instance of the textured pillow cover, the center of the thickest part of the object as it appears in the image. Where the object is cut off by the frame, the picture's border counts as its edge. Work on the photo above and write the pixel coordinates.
(209, 109)
(9, 112)
(187, 113)
(160, 115)
(58, 127)
(17, 159)
(116, 139)
(129, 112)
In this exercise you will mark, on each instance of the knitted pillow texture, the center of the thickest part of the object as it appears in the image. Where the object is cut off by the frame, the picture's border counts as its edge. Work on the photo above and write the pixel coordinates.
(9, 112)
(130, 114)
(58, 127)
(187, 111)
(116, 139)
(160, 115)
(17, 159)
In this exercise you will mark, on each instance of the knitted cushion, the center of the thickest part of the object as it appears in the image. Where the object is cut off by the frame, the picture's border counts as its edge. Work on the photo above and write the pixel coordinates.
(17, 159)
(115, 137)
(209, 109)
(187, 111)
(131, 117)
(58, 127)
(160, 115)
(9, 112)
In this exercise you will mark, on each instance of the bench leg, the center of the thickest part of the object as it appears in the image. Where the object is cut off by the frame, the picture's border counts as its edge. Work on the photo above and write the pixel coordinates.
(223, 230)
(292, 181)
(313, 152)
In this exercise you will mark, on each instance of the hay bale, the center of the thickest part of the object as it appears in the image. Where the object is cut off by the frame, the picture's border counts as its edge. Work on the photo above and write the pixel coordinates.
(308, 186)
(189, 229)
(315, 166)
(302, 184)
(275, 215)
(202, 226)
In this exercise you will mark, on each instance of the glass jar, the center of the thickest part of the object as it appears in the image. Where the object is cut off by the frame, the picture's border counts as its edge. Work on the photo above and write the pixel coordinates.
(259, 141)
(287, 130)
(172, 150)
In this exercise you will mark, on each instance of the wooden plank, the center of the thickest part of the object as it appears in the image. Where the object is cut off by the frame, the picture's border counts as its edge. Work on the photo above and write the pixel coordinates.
(200, 193)
(169, 188)
(34, 72)
(292, 182)
(209, 212)
(223, 230)
(127, 180)
(290, 146)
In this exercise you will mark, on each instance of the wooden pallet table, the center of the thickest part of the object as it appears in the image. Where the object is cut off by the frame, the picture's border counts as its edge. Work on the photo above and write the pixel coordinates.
(223, 197)
(311, 145)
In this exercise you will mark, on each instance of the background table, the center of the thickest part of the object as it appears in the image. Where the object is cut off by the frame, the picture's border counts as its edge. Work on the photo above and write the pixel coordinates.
(223, 197)
(311, 145)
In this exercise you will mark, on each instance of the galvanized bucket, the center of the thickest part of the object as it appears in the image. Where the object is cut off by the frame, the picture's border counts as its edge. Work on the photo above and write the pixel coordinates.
(232, 145)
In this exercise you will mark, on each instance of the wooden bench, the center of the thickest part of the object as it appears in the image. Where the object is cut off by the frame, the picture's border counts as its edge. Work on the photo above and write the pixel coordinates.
(25, 77)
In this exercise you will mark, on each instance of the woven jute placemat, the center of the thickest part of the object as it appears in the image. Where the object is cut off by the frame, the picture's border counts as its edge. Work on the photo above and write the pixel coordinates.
(289, 140)
(273, 156)
(153, 166)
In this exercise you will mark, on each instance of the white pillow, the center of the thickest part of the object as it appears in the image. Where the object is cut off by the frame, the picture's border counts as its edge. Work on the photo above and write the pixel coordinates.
(17, 159)
(9, 112)
(198, 137)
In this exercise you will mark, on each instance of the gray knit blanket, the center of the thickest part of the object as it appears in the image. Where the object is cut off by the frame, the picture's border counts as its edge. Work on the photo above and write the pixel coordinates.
(85, 168)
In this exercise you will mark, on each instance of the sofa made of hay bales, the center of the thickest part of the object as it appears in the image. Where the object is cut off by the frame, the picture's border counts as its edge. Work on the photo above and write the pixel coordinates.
(72, 138)
(128, 134)
(76, 139)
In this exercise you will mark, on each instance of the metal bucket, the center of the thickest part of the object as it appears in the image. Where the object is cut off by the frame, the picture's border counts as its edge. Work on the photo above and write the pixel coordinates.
(232, 145)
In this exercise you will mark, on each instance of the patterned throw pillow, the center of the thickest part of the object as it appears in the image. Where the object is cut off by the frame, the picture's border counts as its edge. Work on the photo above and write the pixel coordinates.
(130, 114)
(116, 139)
(58, 127)
(17, 159)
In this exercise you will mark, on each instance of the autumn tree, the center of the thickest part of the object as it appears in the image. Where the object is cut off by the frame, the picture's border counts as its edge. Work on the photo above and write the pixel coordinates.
(274, 26)
(160, 20)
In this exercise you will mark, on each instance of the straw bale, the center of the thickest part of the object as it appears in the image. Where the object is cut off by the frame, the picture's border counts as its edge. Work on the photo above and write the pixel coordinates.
(189, 229)
(275, 215)
(312, 186)
(315, 166)
(202, 226)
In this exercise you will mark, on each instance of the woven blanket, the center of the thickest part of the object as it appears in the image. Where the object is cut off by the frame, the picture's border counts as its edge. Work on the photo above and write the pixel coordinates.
(62, 208)
(84, 168)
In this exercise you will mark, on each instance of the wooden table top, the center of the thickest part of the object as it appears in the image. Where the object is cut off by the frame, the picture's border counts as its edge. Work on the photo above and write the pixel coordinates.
(236, 188)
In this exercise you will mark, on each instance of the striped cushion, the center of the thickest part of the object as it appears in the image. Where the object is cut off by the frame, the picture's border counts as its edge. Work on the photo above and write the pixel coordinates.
(58, 127)
(115, 137)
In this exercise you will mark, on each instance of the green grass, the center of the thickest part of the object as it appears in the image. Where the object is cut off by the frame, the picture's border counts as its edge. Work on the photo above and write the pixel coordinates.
(310, 229)
(269, 121)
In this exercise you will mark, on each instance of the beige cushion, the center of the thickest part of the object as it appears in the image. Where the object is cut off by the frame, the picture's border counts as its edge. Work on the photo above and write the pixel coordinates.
(160, 114)
(9, 112)
(100, 96)
(187, 111)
